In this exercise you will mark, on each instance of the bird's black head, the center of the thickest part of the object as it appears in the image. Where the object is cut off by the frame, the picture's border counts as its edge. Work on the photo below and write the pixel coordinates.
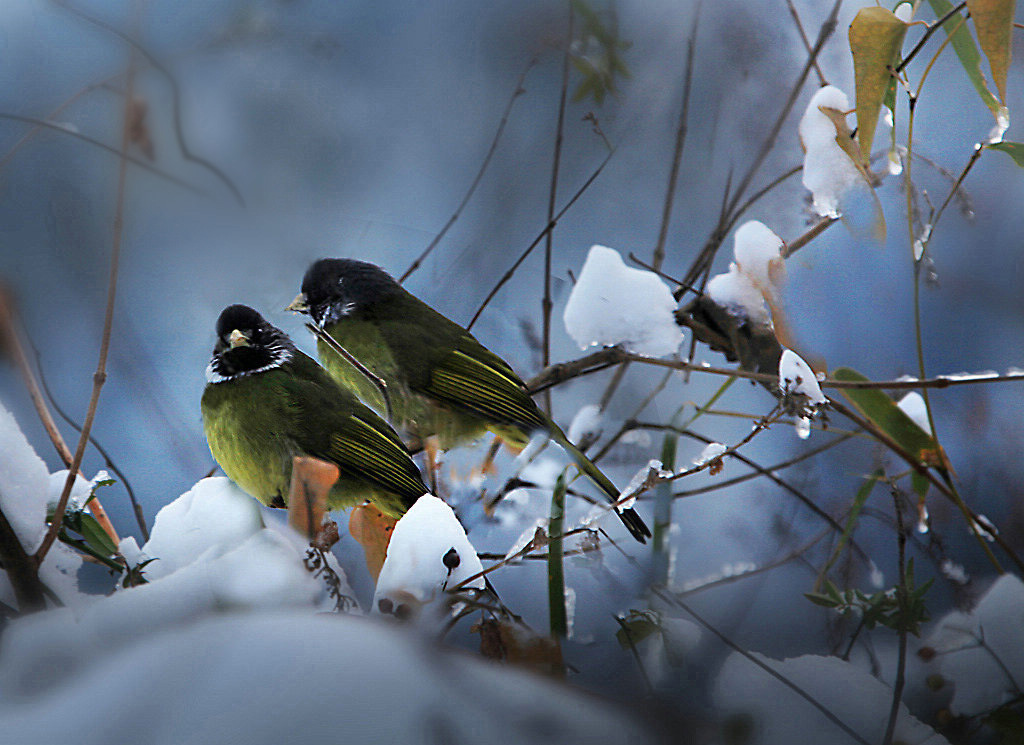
(246, 344)
(336, 288)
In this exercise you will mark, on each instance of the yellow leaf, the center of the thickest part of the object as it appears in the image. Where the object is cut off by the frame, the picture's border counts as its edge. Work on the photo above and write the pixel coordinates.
(876, 36)
(993, 20)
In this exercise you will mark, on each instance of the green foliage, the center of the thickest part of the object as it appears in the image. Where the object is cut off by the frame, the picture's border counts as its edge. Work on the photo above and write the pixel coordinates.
(80, 530)
(558, 619)
(882, 608)
(597, 55)
(1014, 149)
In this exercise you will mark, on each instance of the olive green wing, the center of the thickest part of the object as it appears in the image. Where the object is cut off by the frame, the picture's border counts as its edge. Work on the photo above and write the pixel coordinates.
(337, 427)
(471, 378)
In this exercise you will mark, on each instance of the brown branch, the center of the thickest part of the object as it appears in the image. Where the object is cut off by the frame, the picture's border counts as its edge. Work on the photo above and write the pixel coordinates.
(100, 376)
(807, 42)
(927, 35)
(518, 91)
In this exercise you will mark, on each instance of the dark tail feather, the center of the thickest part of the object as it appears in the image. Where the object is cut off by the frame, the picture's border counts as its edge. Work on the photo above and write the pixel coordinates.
(633, 522)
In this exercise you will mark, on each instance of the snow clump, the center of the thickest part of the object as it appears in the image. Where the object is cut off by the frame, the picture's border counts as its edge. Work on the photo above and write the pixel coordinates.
(829, 173)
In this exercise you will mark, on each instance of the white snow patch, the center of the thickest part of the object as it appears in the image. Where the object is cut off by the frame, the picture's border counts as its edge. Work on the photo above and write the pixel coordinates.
(414, 567)
(612, 303)
(712, 451)
(913, 406)
(828, 171)
(213, 517)
(782, 717)
(904, 11)
(736, 291)
(986, 676)
(758, 253)
(796, 376)
(588, 422)
(24, 492)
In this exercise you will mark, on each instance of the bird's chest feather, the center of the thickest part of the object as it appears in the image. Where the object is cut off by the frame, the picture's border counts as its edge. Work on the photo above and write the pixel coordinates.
(246, 423)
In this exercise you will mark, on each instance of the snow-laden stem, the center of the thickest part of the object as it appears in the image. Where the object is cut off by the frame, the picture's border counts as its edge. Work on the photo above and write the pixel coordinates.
(100, 376)
(558, 620)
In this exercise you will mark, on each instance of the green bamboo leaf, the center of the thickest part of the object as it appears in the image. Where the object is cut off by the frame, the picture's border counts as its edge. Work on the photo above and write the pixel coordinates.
(993, 20)
(95, 536)
(558, 619)
(1014, 149)
(877, 406)
(876, 36)
(967, 51)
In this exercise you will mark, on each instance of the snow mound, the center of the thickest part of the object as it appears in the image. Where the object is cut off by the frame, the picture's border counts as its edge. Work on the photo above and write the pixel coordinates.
(782, 717)
(612, 303)
(587, 423)
(428, 553)
(756, 273)
(291, 677)
(984, 675)
(211, 518)
(828, 171)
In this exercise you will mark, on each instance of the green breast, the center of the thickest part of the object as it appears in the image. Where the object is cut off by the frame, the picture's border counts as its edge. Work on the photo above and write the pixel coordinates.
(245, 422)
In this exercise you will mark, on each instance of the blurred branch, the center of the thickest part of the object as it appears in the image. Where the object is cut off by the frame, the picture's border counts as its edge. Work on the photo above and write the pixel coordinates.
(518, 91)
(172, 81)
(807, 43)
(529, 249)
(107, 459)
(123, 153)
(903, 604)
(11, 342)
(100, 376)
(658, 256)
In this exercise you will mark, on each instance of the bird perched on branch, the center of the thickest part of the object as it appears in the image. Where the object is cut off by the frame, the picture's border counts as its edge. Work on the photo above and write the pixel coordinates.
(440, 380)
(266, 402)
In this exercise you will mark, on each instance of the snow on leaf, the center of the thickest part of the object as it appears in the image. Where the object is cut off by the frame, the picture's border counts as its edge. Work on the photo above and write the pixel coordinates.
(737, 292)
(829, 171)
(612, 303)
(913, 406)
(758, 253)
(796, 376)
(415, 567)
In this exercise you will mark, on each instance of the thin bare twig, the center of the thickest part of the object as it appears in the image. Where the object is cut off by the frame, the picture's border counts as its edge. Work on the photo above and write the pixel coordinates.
(807, 42)
(529, 249)
(100, 376)
(901, 595)
(927, 35)
(519, 90)
(378, 381)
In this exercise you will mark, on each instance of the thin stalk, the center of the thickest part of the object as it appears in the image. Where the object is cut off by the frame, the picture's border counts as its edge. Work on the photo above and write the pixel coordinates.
(901, 595)
(559, 622)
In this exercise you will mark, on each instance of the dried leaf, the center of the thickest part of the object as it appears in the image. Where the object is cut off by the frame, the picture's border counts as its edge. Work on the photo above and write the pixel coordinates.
(372, 529)
(967, 51)
(993, 20)
(312, 480)
(876, 36)
(520, 645)
(1014, 149)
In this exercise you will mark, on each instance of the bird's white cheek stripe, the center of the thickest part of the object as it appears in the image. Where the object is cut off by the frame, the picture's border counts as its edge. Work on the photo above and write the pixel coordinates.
(281, 356)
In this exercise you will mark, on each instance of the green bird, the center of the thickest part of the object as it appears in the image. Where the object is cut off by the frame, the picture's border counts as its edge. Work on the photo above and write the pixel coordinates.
(441, 381)
(266, 402)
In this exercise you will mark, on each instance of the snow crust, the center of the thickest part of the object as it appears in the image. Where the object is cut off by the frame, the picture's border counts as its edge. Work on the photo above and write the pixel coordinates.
(588, 422)
(712, 451)
(612, 303)
(782, 717)
(414, 568)
(828, 171)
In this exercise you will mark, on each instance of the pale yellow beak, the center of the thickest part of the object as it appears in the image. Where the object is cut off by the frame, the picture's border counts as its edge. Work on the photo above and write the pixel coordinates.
(238, 339)
(299, 304)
